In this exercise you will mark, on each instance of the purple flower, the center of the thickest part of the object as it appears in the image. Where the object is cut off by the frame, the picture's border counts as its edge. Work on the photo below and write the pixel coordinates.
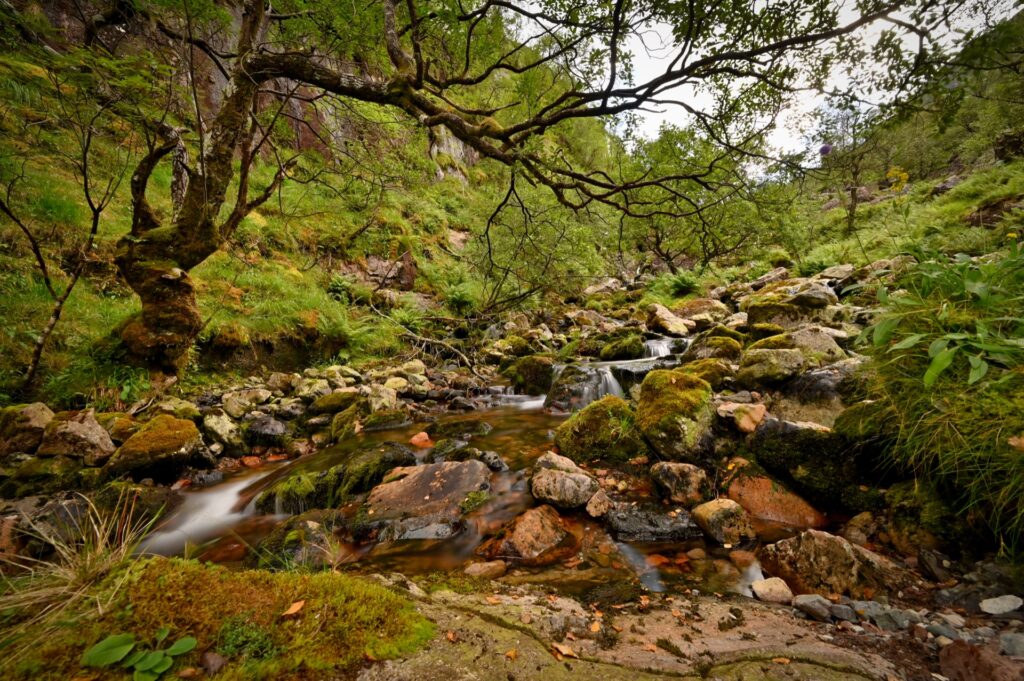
(825, 150)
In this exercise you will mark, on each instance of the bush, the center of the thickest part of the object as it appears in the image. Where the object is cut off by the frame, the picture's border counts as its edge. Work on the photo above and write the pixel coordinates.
(459, 299)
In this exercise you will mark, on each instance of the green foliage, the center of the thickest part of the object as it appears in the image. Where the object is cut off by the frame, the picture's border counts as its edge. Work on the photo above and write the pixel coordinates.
(949, 369)
(145, 664)
(460, 299)
(240, 636)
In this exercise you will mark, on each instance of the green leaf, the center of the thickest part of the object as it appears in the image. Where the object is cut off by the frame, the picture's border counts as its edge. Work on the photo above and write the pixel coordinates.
(132, 659)
(940, 363)
(884, 331)
(937, 346)
(108, 651)
(163, 666)
(979, 368)
(162, 634)
(151, 660)
(882, 295)
(182, 646)
(140, 675)
(908, 342)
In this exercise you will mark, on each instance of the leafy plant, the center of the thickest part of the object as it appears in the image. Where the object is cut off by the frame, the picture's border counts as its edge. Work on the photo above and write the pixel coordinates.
(239, 636)
(682, 283)
(146, 664)
(459, 299)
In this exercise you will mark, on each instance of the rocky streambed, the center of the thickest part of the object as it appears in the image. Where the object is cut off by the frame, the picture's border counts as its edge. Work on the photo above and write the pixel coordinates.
(688, 491)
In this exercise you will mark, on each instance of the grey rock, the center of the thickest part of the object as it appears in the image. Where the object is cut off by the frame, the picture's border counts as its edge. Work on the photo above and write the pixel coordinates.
(220, 428)
(843, 612)
(22, 427)
(1001, 604)
(267, 431)
(1012, 644)
(78, 436)
(814, 606)
(634, 523)
(563, 489)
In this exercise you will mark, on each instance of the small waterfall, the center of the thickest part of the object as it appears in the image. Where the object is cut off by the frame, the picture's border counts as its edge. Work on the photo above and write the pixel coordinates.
(658, 347)
(577, 385)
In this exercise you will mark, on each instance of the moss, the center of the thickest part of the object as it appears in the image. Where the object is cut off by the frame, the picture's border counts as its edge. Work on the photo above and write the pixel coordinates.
(763, 330)
(517, 346)
(604, 429)
(720, 331)
(163, 442)
(345, 621)
(778, 342)
(728, 348)
(863, 421)
(119, 426)
(531, 375)
(773, 312)
(714, 371)
(674, 412)
(334, 402)
(343, 425)
(230, 337)
(42, 476)
(386, 419)
(921, 516)
(148, 502)
(473, 501)
(459, 428)
(581, 347)
(631, 347)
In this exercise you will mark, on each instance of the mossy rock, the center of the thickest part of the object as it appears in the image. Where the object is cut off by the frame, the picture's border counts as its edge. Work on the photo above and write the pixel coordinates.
(674, 413)
(775, 312)
(230, 337)
(302, 541)
(821, 465)
(42, 475)
(816, 345)
(531, 375)
(581, 347)
(517, 346)
(920, 516)
(714, 371)
(763, 330)
(360, 472)
(864, 422)
(386, 419)
(334, 402)
(765, 366)
(459, 428)
(147, 502)
(630, 347)
(604, 429)
(159, 449)
(119, 426)
(343, 425)
(346, 621)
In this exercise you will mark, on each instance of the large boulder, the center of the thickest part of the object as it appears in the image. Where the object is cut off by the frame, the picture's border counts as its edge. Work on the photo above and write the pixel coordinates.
(160, 449)
(718, 342)
(359, 472)
(604, 429)
(674, 413)
(629, 522)
(427, 502)
(531, 375)
(768, 499)
(819, 562)
(536, 537)
(629, 347)
(723, 520)
(559, 481)
(769, 366)
(22, 427)
(816, 344)
(78, 435)
(339, 400)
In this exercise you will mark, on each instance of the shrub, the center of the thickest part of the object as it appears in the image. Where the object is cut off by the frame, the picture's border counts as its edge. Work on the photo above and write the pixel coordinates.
(682, 283)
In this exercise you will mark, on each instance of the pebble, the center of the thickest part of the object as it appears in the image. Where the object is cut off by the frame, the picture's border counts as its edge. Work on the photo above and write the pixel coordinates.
(489, 570)
(814, 606)
(1012, 644)
(942, 631)
(1001, 605)
(952, 619)
(772, 590)
(943, 641)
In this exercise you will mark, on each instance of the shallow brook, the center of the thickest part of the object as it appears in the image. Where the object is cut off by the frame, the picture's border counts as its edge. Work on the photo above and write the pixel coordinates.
(221, 523)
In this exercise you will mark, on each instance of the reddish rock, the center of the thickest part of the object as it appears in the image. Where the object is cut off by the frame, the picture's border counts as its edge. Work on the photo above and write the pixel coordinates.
(421, 439)
(961, 661)
(746, 417)
(537, 537)
(764, 498)
(252, 461)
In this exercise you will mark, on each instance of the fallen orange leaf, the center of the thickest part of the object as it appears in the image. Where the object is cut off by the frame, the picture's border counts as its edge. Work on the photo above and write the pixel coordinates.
(595, 627)
(451, 636)
(650, 647)
(293, 609)
(493, 600)
(780, 660)
(564, 650)
(512, 655)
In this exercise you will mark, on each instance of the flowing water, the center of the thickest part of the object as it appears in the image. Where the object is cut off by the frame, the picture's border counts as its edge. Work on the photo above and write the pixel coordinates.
(221, 522)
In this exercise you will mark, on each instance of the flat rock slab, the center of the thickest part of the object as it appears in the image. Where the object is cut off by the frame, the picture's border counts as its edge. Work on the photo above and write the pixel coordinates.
(432, 490)
(476, 633)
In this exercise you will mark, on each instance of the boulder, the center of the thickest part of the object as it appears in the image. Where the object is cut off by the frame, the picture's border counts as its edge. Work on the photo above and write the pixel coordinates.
(650, 524)
(283, 383)
(661, 320)
(674, 413)
(308, 389)
(239, 402)
(962, 661)
(767, 499)
(78, 435)
(531, 375)
(717, 373)
(119, 426)
(681, 483)
(772, 590)
(22, 427)
(723, 520)
(219, 427)
(718, 342)
(817, 345)
(176, 407)
(267, 431)
(359, 471)
(302, 541)
(381, 398)
(766, 367)
(746, 417)
(559, 481)
(35, 476)
(462, 429)
(603, 430)
(819, 562)
(161, 448)
(630, 347)
(536, 537)
(716, 310)
(426, 502)
(339, 400)
(492, 569)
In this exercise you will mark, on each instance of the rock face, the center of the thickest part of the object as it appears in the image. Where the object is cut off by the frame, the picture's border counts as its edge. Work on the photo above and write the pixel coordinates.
(767, 499)
(682, 483)
(159, 449)
(359, 472)
(634, 523)
(819, 562)
(602, 430)
(674, 413)
(425, 502)
(536, 537)
(557, 480)
(78, 435)
(22, 427)
(723, 520)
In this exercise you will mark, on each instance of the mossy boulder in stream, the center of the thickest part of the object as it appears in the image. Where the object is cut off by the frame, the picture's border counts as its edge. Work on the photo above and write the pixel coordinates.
(674, 413)
(715, 371)
(303, 541)
(531, 375)
(160, 449)
(605, 429)
(630, 347)
(360, 471)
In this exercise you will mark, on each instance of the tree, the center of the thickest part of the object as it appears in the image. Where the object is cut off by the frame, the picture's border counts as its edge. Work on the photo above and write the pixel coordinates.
(498, 75)
(850, 137)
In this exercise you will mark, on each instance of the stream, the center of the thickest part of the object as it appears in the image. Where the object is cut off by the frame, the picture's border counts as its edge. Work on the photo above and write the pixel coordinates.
(221, 523)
